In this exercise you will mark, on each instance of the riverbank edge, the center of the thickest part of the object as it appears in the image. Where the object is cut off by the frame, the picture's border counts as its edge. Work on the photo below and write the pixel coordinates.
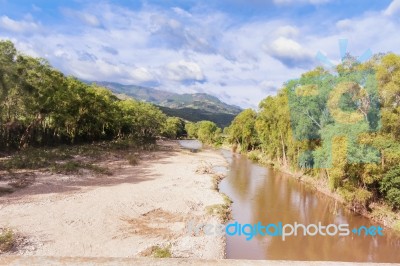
(389, 218)
(222, 211)
(216, 180)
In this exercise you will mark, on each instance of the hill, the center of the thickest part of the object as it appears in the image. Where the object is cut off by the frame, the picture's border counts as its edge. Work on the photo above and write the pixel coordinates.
(195, 115)
(193, 107)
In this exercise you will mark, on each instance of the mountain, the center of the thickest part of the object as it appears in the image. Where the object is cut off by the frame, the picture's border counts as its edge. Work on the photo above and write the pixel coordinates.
(193, 107)
(195, 115)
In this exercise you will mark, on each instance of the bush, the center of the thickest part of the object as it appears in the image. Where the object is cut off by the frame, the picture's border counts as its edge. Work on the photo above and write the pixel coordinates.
(356, 197)
(254, 156)
(217, 178)
(133, 159)
(161, 252)
(390, 187)
(7, 240)
(222, 211)
(306, 160)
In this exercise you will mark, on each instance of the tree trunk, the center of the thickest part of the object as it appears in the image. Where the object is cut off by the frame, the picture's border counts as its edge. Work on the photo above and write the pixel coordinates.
(283, 152)
(28, 132)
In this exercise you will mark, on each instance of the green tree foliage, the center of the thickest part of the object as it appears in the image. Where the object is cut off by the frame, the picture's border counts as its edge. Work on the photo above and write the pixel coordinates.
(390, 186)
(343, 127)
(242, 130)
(273, 129)
(40, 106)
(388, 74)
(205, 131)
(191, 129)
(174, 127)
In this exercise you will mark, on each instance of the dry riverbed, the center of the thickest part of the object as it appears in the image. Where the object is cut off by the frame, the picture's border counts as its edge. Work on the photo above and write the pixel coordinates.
(138, 210)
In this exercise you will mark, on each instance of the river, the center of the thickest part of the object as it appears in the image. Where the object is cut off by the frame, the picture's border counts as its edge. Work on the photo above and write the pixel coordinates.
(262, 194)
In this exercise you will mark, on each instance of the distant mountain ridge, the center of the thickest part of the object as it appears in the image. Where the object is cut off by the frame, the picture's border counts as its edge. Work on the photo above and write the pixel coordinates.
(193, 107)
(173, 100)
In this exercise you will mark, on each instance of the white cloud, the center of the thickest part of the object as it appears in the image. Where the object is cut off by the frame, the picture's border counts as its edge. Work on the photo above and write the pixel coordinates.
(344, 24)
(287, 31)
(17, 26)
(268, 86)
(200, 50)
(182, 12)
(86, 17)
(184, 71)
(90, 19)
(393, 8)
(142, 75)
(289, 52)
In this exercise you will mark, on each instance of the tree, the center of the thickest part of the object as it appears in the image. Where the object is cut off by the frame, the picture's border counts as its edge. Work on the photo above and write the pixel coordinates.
(207, 131)
(191, 129)
(40, 106)
(391, 186)
(174, 127)
(242, 130)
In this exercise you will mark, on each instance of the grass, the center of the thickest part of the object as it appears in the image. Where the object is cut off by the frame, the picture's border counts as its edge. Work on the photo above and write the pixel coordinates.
(67, 160)
(222, 211)
(62, 159)
(204, 169)
(217, 178)
(7, 240)
(255, 156)
(385, 215)
(98, 169)
(133, 159)
(161, 252)
(396, 226)
(73, 167)
(39, 158)
(33, 159)
(70, 167)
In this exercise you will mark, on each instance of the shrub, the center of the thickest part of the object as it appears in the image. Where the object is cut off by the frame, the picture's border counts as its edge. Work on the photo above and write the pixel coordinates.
(222, 211)
(390, 187)
(7, 240)
(133, 159)
(161, 252)
(355, 197)
(254, 156)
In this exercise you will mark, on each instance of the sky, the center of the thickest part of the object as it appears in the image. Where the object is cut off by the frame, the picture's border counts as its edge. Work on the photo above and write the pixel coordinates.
(238, 50)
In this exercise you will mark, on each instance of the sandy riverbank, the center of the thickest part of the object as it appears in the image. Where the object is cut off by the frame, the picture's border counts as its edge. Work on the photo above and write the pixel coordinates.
(122, 215)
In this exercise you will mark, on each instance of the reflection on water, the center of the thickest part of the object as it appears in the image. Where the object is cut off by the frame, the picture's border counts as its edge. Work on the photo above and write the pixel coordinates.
(265, 195)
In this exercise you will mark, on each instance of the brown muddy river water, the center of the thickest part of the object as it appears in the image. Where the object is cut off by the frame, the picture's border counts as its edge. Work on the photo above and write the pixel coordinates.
(261, 194)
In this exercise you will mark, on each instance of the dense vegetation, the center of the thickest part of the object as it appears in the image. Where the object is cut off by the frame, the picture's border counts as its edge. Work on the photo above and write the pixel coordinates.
(206, 131)
(40, 106)
(342, 127)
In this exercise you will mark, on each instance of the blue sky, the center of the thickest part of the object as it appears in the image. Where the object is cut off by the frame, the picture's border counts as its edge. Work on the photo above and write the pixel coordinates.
(238, 50)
